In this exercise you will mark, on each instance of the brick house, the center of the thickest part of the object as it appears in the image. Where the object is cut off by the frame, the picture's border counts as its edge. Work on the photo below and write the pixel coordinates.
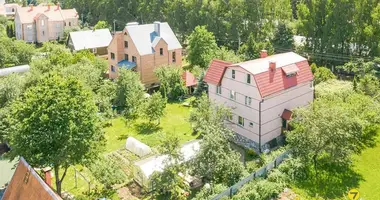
(261, 94)
(43, 23)
(142, 48)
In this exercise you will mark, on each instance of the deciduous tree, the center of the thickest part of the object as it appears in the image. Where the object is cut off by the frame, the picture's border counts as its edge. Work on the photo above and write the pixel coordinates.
(55, 124)
(155, 107)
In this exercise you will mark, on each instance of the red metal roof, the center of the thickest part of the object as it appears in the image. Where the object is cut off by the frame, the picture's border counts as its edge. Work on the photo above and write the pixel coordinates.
(215, 71)
(287, 114)
(27, 184)
(270, 82)
(189, 79)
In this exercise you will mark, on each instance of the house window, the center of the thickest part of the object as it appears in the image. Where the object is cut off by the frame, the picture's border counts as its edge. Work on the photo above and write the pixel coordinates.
(173, 56)
(58, 34)
(233, 74)
(241, 121)
(126, 44)
(218, 89)
(113, 68)
(126, 57)
(58, 25)
(291, 75)
(161, 51)
(284, 123)
(112, 56)
(29, 27)
(248, 101)
(249, 78)
(232, 95)
(43, 33)
(42, 22)
(250, 124)
(69, 23)
(134, 59)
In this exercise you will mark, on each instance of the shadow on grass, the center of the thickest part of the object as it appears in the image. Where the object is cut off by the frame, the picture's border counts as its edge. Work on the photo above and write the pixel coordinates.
(333, 183)
(122, 137)
(95, 194)
(147, 128)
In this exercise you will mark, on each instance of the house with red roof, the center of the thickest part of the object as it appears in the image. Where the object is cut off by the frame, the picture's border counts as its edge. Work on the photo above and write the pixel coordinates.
(261, 94)
(27, 184)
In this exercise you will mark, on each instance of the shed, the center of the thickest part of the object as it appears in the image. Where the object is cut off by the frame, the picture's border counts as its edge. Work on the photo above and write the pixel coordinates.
(145, 168)
(137, 147)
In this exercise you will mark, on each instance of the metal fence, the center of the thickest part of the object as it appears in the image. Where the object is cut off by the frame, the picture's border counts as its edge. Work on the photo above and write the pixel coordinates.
(258, 173)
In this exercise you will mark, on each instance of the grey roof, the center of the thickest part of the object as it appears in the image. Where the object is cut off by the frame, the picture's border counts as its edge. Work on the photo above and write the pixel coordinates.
(16, 69)
(90, 39)
(144, 37)
(2, 2)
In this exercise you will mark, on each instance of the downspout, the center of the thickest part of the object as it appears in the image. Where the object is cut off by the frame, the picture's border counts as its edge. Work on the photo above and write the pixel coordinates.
(262, 101)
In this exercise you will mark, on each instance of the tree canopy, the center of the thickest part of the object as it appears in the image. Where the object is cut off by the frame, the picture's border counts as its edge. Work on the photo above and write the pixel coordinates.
(58, 118)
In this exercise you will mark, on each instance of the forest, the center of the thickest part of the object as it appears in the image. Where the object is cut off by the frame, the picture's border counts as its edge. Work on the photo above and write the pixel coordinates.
(336, 31)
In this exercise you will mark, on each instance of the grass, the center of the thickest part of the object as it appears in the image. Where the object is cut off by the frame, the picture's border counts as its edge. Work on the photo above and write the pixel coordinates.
(364, 176)
(367, 164)
(175, 121)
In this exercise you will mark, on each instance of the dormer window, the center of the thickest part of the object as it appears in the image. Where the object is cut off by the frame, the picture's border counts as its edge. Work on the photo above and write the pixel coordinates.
(290, 70)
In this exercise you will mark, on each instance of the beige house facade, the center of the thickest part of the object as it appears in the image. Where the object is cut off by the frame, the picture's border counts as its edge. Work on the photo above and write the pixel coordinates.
(142, 48)
(37, 24)
(261, 94)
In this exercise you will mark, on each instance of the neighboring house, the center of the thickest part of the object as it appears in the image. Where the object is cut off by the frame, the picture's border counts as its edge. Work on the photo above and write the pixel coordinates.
(8, 10)
(261, 94)
(43, 23)
(16, 69)
(143, 48)
(96, 41)
(27, 184)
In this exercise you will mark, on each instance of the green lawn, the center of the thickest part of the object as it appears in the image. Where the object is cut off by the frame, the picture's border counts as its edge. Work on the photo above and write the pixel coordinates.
(368, 165)
(364, 176)
(175, 121)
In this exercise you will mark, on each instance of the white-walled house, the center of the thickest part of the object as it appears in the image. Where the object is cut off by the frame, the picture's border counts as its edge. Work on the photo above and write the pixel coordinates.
(261, 94)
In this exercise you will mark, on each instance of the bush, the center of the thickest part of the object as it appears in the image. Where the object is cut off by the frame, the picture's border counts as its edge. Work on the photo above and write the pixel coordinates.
(209, 193)
(107, 172)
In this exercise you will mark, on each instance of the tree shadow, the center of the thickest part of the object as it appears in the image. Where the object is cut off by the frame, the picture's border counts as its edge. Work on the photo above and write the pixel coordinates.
(122, 137)
(334, 182)
(147, 128)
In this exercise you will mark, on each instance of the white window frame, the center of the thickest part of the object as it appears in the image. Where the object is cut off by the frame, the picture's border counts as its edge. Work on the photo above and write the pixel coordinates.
(248, 101)
(219, 89)
(242, 120)
(232, 95)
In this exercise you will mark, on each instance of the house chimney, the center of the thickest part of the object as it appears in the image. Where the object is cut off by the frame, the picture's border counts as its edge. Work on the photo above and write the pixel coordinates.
(263, 54)
(47, 172)
(58, 6)
(30, 7)
(272, 65)
(157, 27)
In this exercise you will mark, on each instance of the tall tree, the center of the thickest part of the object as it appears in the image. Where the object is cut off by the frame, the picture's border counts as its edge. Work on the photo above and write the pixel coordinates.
(202, 46)
(55, 124)
(172, 85)
(155, 107)
(129, 93)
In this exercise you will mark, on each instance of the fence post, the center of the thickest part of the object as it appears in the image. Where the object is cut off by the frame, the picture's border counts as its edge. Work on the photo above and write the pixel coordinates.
(275, 163)
(75, 175)
(231, 192)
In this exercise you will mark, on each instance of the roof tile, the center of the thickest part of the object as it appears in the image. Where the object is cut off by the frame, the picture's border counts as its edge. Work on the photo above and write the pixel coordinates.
(215, 71)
